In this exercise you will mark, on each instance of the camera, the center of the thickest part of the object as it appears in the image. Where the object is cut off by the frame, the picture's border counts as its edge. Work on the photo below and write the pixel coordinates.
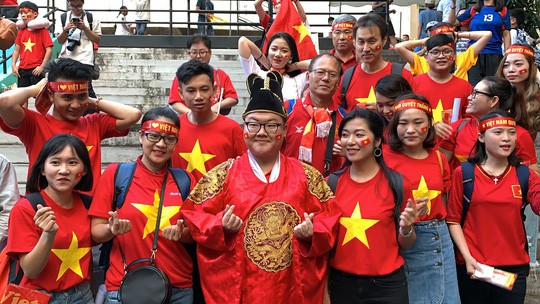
(73, 40)
(75, 19)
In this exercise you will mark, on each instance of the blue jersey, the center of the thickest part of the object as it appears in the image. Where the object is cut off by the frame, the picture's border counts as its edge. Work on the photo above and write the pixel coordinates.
(487, 19)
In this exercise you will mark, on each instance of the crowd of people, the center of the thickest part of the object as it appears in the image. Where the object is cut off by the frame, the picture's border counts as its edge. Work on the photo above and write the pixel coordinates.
(352, 179)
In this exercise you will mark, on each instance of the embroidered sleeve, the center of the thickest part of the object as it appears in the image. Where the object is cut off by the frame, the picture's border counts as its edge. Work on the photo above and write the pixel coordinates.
(211, 183)
(316, 184)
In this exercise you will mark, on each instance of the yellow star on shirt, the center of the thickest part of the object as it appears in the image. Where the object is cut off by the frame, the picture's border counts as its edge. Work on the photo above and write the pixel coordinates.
(150, 211)
(196, 158)
(356, 226)
(370, 98)
(302, 30)
(28, 45)
(89, 148)
(437, 112)
(71, 257)
(423, 191)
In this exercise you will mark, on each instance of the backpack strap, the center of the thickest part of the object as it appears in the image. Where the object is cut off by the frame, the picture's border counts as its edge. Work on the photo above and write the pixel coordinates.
(467, 171)
(122, 180)
(87, 200)
(347, 76)
(330, 145)
(523, 178)
(90, 19)
(182, 180)
(63, 18)
(35, 199)
(397, 68)
(333, 179)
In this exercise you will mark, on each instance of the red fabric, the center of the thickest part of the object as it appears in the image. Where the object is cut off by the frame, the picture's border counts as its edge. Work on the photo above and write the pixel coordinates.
(228, 274)
(493, 228)
(288, 20)
(23, 236)
(220, 140)
(10, 2)
(32, 47)
(434, 178)
(221, 79)
(19, 294)
(461, 143)
(345, 65)
(171, 257)
(443, 93)
(376, 203)
(362, 86)
(36, 129)
(265, 21)
(296, 122)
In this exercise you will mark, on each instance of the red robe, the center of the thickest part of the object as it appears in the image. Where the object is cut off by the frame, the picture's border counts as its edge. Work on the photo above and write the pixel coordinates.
(263, 262)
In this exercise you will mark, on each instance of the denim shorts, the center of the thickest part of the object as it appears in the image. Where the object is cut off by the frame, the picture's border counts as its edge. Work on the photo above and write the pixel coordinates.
(178, 296)
(78, 294)
(430, 265)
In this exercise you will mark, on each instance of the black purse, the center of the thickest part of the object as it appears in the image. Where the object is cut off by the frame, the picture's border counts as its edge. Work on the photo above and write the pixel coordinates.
(146, 284)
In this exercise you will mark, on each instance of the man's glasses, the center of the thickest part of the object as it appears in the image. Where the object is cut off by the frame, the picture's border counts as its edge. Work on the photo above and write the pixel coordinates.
(320, 73)
(154, 137)
(437, 53)
(270, 128)
(200, 53)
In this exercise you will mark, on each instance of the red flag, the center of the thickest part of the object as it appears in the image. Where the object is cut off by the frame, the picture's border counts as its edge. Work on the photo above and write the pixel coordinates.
(288, 20)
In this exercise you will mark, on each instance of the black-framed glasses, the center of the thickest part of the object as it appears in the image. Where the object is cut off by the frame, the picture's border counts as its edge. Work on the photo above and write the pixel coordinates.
(200, 53)
(320, 73)
(476, 92)
(437, 53)
(255, 127)
(155, 137)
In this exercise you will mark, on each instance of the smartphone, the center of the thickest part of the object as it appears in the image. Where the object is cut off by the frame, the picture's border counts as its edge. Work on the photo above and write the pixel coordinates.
(75, 19)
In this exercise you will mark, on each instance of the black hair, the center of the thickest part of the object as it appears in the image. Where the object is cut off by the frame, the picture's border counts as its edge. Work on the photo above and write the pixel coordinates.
(56, 144)
(292, 46)
(198, 38)
(122, 8)
(67, 69)
(194, 68)
(371, 20)
(316, 58)
(503, 89)
(392, 86)
(519, 14)
(499, 5)
(29, 4)
(156, 113)
(438, 40)
(479, 148)
(393, 139)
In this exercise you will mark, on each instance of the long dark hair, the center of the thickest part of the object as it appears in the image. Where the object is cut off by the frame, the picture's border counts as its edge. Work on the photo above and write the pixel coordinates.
(292, 46)
(56, 144)
(480, 156)
(499, 4)
(504, 90)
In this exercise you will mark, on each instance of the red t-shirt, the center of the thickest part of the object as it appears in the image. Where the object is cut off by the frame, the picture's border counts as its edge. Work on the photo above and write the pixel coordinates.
(345, 65)
(36, 129)
(362, 86)
(432, 181)
(493, 228)
(69, 261)
(441, 95)
(221, 79)
(202, 147)
(33, 45)
(140, 208)
(10, 2)
(462, 143)
(367, 237)
(297, 121)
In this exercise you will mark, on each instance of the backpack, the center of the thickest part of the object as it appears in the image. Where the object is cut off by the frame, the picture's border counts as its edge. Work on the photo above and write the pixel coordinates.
(473, 12)
(397, 69)
(89, 17)
(467, 170)
(8, 33)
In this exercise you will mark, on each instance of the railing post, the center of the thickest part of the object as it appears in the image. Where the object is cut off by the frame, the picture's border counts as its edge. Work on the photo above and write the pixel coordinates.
(188, 18)
(170, 17)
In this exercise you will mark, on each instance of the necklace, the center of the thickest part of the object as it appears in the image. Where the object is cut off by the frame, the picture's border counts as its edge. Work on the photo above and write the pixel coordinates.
(495, 177)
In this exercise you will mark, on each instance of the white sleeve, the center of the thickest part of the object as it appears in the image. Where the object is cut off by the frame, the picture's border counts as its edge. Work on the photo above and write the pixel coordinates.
(9, 193)
(249, 65)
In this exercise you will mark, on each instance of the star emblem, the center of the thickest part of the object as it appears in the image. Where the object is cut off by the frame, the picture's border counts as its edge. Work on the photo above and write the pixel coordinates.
(150, 211)
(71, 257)
(356, 226)
(302, 30)
(196, 158)
(437, 112)
(28, 45)
(423, 191)
(370, 98)
(89, 148)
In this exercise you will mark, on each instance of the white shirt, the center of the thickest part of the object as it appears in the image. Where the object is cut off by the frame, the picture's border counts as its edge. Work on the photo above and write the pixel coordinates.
(122, 28)
(444, 7)
(142, 5)
(84, 53)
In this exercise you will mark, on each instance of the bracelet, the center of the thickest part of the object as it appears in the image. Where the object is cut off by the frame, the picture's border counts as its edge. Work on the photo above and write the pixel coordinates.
(259, 56)
(406, 235)
(452, 7)
(97, 103)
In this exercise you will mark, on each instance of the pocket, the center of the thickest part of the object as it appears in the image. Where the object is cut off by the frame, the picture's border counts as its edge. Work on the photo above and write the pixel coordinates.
(395, 279)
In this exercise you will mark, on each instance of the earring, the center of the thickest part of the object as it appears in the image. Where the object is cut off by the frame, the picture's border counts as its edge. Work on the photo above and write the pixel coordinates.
(377, 152)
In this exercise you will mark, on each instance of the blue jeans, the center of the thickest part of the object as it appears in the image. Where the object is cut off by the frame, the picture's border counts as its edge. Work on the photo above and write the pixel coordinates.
(178, 296)
(79, 294)
(203, 29)
(431, 266)
(140, 26)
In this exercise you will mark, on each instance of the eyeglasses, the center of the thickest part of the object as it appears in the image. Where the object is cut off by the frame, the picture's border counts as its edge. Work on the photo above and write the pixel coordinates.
(320, 73)
(255, 127)
(200, 53)
(475, 92)
(76, 6)
(154, 137)
(437, 53)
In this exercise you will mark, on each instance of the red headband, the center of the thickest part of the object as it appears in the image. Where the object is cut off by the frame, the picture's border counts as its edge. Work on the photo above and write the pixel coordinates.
(412, 104)
(445, 29)
(520, 49)
(160, 126)
(27, 10)
(496, 122)
(69, 86)
(342, 26)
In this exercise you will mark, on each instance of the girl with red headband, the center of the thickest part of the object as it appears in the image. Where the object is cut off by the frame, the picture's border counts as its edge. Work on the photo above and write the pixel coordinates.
(430, 263)
(488, 230)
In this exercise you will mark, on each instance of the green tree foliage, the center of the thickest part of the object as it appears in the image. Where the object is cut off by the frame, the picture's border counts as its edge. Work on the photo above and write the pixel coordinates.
(532, 11)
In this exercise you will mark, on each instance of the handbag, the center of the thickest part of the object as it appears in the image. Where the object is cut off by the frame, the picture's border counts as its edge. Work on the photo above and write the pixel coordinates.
(146, 284)
(8, 33)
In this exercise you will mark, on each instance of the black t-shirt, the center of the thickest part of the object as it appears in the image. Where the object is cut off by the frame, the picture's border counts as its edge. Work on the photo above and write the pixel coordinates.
(205, 5)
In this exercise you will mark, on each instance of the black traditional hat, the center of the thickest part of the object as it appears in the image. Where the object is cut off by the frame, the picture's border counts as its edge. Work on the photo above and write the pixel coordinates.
(265, 94)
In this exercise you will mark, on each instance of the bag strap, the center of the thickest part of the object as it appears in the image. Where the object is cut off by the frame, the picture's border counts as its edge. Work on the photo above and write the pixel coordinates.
(333, 179)
(63, 18)
(347, 76)
(467, 172)
(182, 180)
(330, 145)
(523, 178)
(122, 180)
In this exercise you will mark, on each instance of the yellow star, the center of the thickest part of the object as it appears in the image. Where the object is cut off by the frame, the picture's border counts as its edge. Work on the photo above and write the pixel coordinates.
(423, 191)
(302, 30)
(71, 257)
(150, 211)
(196, 158)
(89, 148)
(28, 45)
(356, 226)
(437, 112)
(370, 98)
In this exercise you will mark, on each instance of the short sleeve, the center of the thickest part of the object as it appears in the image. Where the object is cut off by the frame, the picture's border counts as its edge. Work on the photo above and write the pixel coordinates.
(455, 198)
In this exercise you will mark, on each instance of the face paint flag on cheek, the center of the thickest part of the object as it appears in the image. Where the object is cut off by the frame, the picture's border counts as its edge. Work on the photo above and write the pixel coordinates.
(79, 175)
(378, 47)
(524, 71)
(365, 142)
(279, 137)
(246, 135)
(349, 37)
(451, 58)
(424, 129)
